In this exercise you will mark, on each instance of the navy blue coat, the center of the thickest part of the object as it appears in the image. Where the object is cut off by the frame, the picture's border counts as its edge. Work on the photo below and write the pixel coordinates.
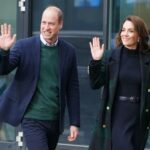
(25, 57)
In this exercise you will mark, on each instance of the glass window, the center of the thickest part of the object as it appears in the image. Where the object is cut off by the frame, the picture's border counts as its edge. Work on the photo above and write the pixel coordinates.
(8, 16)
(7, 132)
(78, 14)
(121, 9)
(86, 3)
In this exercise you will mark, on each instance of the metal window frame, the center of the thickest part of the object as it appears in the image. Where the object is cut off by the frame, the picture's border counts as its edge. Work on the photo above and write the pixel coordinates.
(24, 18)
(107, 17)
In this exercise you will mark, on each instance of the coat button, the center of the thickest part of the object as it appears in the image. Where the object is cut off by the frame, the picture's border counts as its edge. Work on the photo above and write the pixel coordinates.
(88, 70)
(146, 110)
(104, 125)
(108, 108)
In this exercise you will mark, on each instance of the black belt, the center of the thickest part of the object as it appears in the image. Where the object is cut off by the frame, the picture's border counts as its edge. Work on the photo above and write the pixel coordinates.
(133, 99)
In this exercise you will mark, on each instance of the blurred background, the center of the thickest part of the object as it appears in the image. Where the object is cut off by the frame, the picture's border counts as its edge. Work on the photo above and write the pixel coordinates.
(83, 19)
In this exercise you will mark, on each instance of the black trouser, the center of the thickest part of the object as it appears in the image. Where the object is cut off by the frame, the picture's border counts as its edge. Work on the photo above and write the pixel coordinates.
(40, 134)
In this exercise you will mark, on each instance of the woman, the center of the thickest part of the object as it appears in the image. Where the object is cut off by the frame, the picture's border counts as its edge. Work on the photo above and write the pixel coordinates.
(124, 73)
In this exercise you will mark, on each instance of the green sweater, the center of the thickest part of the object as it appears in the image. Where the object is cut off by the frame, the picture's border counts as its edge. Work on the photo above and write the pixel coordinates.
(45, 104)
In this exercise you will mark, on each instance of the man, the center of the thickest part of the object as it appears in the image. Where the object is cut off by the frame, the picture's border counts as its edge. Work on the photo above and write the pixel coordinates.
(46, 80)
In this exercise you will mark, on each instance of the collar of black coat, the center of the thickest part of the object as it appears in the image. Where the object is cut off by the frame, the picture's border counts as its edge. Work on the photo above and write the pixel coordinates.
(116, 53)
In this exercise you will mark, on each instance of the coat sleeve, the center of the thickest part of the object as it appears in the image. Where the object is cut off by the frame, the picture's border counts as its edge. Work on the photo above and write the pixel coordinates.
(9, 60)
(98, 71)
(73, 95)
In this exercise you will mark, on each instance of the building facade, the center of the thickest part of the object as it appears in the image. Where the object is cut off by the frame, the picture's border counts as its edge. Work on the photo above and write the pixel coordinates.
(83, 19)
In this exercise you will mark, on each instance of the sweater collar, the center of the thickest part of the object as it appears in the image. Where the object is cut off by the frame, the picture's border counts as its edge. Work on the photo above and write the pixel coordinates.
(47, 44)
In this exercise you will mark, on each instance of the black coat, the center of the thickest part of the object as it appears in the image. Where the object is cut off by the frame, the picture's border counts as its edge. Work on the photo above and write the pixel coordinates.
(104, 74)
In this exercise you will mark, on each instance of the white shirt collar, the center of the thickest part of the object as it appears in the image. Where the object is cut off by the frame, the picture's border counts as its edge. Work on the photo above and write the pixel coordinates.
(47, 44)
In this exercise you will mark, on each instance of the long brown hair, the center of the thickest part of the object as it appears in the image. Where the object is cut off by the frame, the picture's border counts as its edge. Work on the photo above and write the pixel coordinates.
(141, 29)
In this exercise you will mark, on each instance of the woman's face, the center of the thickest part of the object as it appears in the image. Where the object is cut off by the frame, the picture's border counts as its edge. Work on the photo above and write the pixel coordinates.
(129, 35)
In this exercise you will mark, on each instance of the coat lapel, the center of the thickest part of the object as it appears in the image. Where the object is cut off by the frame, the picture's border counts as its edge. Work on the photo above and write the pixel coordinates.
(61, 59)
(145, 73)
(36, 55)
(113, 73)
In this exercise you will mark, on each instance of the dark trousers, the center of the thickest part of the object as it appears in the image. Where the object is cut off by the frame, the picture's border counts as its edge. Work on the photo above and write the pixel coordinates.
(40, 134)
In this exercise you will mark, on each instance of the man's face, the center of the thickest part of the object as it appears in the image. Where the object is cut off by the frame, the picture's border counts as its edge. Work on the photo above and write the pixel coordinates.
(50, 25)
